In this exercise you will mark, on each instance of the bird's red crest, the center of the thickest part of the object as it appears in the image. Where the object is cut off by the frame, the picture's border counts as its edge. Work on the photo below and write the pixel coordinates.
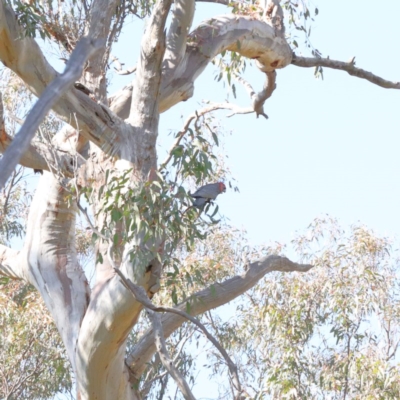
(221, 187)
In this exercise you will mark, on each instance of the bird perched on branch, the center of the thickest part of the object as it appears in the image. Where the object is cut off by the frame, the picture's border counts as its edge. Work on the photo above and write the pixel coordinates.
(206, 193)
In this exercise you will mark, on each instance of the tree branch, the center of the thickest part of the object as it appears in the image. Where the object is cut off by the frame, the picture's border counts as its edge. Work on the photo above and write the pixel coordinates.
(85, 48)
(22, 55)
(144, 111)
(141, 296)
(260, 98)
(52, 264)
(349, 67)
(247, 36)
(208, 299)
(118, 67)
(182, 18)
(165, 359)
(148, 72)
(38, 156)
(100, 17)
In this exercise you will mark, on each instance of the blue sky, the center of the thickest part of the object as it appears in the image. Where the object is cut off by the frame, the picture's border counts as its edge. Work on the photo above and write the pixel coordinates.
(329, 146)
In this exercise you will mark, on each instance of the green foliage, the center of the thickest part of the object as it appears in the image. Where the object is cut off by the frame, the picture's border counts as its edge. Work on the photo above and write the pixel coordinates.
(156, 217)
(33, 363)
(31, 17)
(333, 332)
(14, 203)
(330, 333)
(298, 15)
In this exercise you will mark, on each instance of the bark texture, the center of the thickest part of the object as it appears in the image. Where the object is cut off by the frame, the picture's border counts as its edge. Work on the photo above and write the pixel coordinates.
(106, 138)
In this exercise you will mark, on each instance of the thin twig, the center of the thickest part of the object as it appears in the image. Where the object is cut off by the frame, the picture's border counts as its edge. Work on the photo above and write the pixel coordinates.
(195, 116)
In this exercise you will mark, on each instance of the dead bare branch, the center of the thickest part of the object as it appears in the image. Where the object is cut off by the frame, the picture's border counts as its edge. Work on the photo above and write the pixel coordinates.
(349, 67)
(118, 67)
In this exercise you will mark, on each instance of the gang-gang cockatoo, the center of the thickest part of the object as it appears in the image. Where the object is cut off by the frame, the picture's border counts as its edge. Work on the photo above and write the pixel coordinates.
(206, 193)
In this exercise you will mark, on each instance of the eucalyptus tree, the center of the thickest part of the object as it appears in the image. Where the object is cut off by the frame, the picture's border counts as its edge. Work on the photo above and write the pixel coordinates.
(105, 152)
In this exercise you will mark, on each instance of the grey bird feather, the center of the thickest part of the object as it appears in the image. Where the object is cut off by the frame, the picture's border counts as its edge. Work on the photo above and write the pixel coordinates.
(206, 193)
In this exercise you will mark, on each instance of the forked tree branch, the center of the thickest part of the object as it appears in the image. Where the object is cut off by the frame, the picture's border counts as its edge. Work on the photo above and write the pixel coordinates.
(245, 35)
(118, 67)
(349, 67)
(22, 55)
(141, 296)
(208, 299)
(85, 48)
(38, 156)
(165, 359)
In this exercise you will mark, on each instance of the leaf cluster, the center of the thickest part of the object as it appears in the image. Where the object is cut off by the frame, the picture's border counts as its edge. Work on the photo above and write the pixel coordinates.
(33, 362)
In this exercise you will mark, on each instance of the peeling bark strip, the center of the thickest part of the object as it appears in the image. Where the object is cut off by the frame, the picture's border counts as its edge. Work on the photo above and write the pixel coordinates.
(349, 67)
(85, 48)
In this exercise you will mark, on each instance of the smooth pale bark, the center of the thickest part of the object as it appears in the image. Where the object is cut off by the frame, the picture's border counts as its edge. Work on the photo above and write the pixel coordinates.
(95, 329)
(209, 299)
(51, 261)
(247, 36)
(99, 24)
(112, 311)
(349, 67)
(84, 49)
(23, 56)
(181, 22)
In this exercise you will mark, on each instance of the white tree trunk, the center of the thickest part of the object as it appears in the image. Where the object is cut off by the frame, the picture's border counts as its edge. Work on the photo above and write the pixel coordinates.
(95, 325)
